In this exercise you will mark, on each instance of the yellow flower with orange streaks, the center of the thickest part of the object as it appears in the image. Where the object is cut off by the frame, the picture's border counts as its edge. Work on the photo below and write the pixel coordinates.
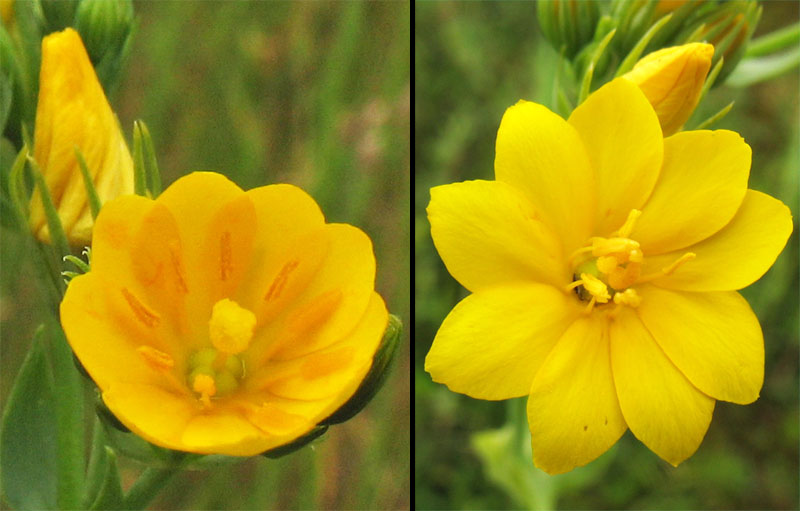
(603, 264)
(73, 112)
(215, 320)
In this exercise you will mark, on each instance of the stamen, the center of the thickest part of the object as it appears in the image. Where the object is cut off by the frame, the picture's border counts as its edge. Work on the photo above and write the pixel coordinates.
(156, 358)
(177, 266)
(596, 288)
(231, 326)
(590, 306)
(280, 281)
(142, 313)
(225, 265)
(688, 256)
(622, 278)
(573, 285)
(580, 251)
(616, 246)
(628, 297)
(607, 264)
(627, 227)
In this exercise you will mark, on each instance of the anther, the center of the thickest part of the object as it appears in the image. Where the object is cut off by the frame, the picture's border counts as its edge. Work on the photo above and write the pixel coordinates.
(596, 288)
(204, 385)
(231, 327)
(688, 256)
(142, 313)
(280, 281)
(156, 358)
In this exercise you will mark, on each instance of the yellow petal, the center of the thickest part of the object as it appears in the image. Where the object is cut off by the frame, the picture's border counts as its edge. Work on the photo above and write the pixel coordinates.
(573, 412)
(328, 372)
(702, 184)
(223, 432)
(106, 323)
(713, 338)
(666, 412)
(72, 111)
(488, 233)
(493, 342)
(622, 136)
(335, 299)
(150, 411)
(737, 255)
(541, 155)
(672, 79)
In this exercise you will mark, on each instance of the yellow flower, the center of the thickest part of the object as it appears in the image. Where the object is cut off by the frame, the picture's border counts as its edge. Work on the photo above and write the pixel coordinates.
(73, 112)
(672, 79)
(215, 320)
(603, 263)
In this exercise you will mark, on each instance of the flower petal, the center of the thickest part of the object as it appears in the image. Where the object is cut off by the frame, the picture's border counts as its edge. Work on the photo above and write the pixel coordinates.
(488, 233)
(222, 433)
(666, 412)
(713, 338)
(573, 412)
(702, 184)
(736, 256)
(541, 155)
(493, 342)
(106, 323)
(150, 411)
(623, 138)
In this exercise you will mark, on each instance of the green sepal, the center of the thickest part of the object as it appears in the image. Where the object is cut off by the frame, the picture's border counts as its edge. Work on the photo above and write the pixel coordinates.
(629, 61)
(375, 377)
(153, 179)
(16, 188)
(754, 70)
(711, 79)
(28, 441)
(586, 82)
(110, 495)
(91, 191)
(139, 170)
(109, 419)
(778, 40)
(714, 118)
(57, 235)
(298, 444)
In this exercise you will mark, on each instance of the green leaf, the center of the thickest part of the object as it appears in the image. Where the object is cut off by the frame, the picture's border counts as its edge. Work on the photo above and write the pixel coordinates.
(773, 42)
(28, 441)
(69, 414)
(715, 118)
(110, 495)
(150, 162)
(587, 77)
(759, 69)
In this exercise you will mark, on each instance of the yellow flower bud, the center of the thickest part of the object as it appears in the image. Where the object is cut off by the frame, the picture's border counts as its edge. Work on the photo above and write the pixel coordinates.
(672, 79)
(73, 112)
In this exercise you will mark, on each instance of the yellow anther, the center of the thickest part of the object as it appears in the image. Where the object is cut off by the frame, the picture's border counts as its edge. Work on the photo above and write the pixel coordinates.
(622, 278)
(231, 327)
(627, 227)
(156, 358)
(636, 256)
(617, 246)
(628, 297)
(607, 264)
(596, 288)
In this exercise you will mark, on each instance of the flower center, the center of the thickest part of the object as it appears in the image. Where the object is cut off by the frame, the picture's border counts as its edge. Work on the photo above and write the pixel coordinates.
(217, 371)
(605, 269)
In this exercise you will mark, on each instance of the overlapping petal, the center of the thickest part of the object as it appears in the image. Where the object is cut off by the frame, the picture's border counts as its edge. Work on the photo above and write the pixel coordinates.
(702, 185)
(737, 255)
(713, 338)
(622, 137)
(493, 342)
(661, 407)
(541, 155)
(573, 411)
(488, 233)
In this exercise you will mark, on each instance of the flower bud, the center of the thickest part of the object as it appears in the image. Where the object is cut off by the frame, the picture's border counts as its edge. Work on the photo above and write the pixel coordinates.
(568, 24)
(73, 113)
(58, 14)
(7, 12)
(672, 79)
(104, 26)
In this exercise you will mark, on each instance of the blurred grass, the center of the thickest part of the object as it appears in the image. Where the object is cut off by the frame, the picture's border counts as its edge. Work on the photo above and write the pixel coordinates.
(472, 61)
(314, 94)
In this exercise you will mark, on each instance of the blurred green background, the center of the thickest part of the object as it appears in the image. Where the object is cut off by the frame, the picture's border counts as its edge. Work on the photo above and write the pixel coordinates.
(472, 61)
(311, 93)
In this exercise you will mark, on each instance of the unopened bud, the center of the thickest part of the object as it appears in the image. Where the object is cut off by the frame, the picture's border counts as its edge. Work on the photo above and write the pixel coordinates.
(569, 25)
(672, 80)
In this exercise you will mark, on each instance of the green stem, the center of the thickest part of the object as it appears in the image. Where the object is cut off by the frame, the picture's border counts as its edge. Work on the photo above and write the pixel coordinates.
(148, 486)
